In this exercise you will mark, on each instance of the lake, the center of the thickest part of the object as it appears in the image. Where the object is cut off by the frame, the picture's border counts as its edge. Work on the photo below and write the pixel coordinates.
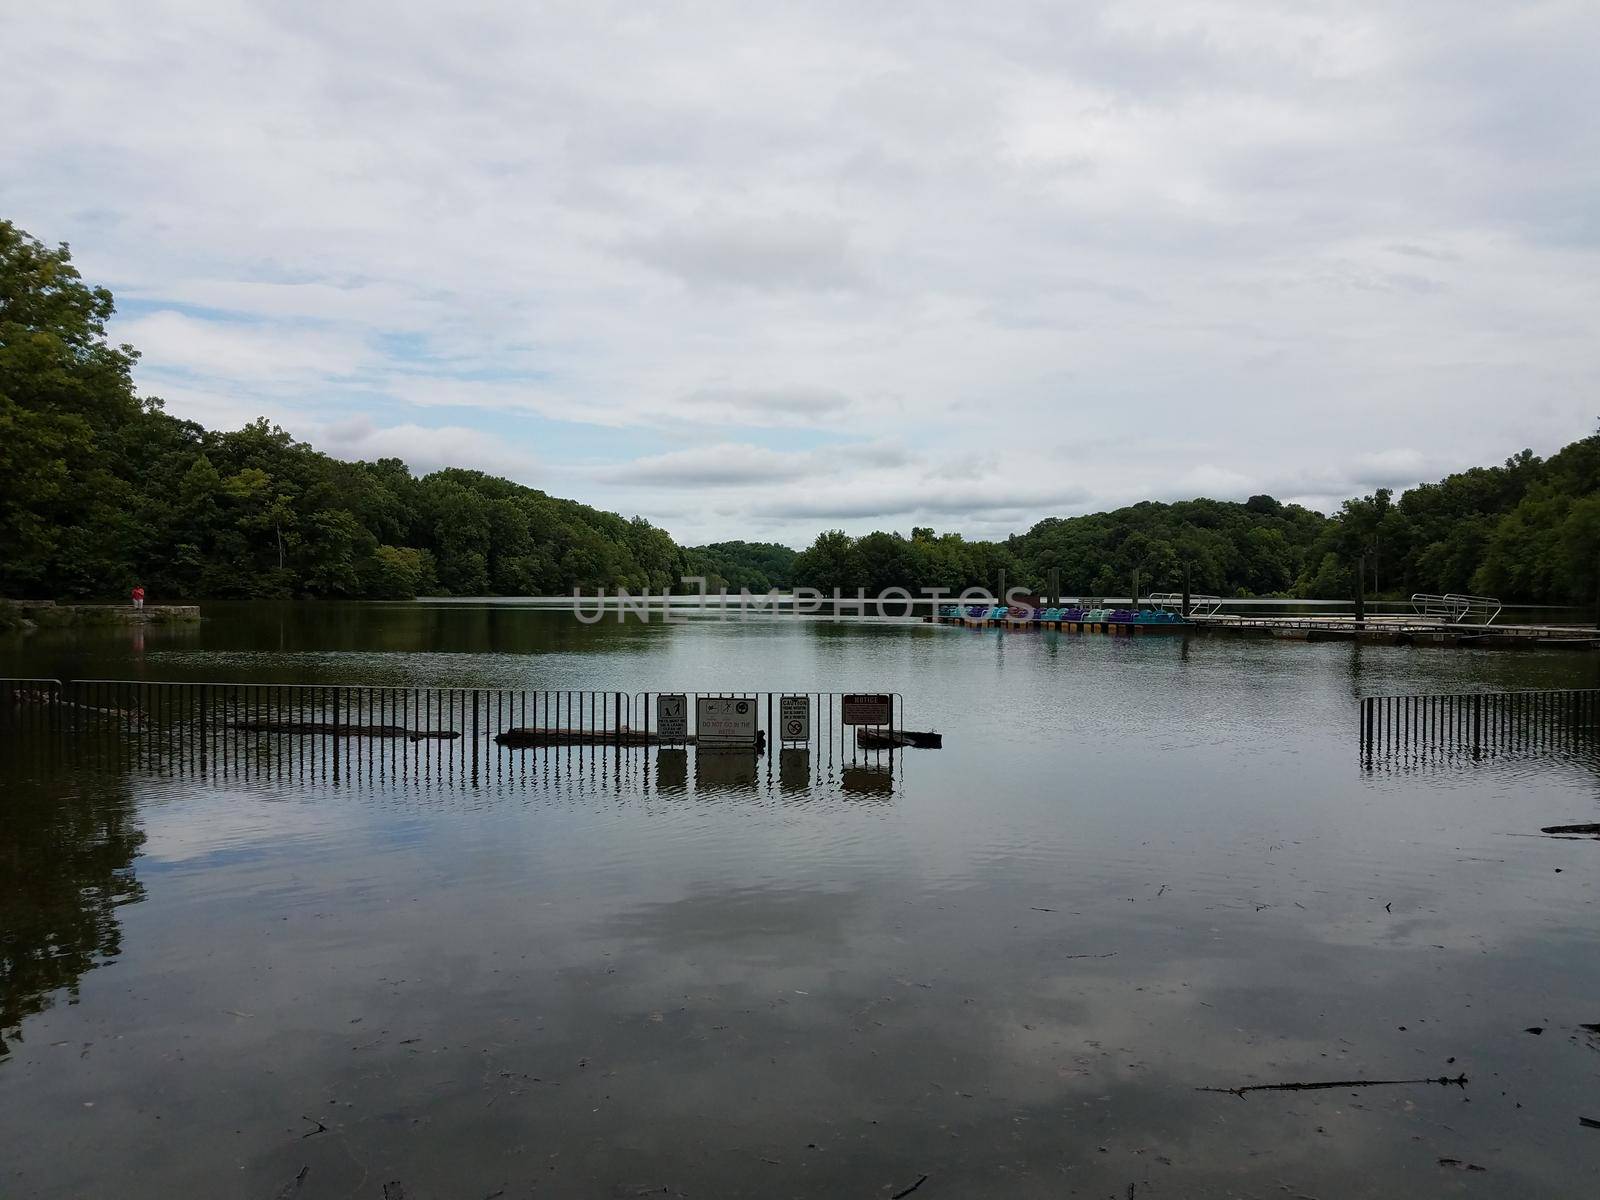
(1138, 868)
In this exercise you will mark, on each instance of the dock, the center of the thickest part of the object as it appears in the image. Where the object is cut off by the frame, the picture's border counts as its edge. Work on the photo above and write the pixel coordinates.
(1385, 630)
(1402, 631)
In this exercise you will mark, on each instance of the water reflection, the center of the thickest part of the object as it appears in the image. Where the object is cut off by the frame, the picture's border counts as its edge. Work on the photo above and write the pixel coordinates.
(867, 781)
(66, 866)
(725, 771)
(672, 771)
(794, 769)
(1136, 870)
(397, 768)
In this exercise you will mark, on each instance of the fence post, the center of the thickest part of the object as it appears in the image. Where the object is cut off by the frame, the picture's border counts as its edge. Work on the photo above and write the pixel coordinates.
(1361, 591)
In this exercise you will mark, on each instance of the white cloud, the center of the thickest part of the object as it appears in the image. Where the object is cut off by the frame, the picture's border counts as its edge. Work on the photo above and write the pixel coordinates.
(1149, 247)
(713, 466)
(423, 448)
(251, 353)
(782, 251)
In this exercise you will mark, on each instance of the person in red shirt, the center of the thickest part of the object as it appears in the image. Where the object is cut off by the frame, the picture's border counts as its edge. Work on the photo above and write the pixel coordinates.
(138, 595)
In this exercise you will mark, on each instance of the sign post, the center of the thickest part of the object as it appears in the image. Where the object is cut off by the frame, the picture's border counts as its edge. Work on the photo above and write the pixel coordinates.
(725, 723)
(672, 717)
(794, 719)
(867, 710)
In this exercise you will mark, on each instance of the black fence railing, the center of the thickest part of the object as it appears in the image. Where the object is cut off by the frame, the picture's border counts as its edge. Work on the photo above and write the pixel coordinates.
(323, 731)
(1479, 723)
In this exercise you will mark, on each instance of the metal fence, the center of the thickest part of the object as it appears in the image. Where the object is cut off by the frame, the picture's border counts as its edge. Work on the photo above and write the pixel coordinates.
(1479, 723)
(248, 730)
(30, 705)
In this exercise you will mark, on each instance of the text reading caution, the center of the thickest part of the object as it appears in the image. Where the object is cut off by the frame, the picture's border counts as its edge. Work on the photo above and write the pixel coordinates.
(794, 718)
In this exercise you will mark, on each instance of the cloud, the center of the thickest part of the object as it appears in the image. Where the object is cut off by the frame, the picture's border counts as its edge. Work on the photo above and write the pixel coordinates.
(1386, 468)
(869, 499)
(173, 342)
(763, 406)
(712, 466)
(792, 250)
(1000, 266)
(423, 448)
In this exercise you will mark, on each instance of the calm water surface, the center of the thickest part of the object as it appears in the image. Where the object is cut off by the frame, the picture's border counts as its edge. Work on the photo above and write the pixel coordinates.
(1138, 868)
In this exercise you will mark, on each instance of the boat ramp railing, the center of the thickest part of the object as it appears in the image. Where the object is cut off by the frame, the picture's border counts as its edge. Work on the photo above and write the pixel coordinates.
(1199, 606)
(1456, 607)
(1479, 723)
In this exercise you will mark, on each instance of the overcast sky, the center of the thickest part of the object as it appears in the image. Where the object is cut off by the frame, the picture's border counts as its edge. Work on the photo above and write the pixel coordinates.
(756, 270)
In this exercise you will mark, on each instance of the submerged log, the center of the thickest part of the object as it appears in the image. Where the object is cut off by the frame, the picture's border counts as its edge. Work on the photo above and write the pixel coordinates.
(56, 700)
(546, 736)
(543, 736)
(889, 739)
(340, 729)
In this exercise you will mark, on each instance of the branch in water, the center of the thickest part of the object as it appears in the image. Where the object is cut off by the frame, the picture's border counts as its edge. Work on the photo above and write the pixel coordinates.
(1458, 1081)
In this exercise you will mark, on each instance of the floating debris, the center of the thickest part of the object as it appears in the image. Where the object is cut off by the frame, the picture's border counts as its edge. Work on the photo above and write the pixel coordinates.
(339, 729)
(889, 739)
(1321, 1085)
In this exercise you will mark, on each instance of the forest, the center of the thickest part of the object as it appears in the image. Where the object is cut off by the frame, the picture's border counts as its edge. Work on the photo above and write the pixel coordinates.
(1527, 530)
(100, 487)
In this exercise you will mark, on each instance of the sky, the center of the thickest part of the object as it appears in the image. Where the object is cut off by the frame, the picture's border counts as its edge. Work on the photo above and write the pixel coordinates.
(755, 270)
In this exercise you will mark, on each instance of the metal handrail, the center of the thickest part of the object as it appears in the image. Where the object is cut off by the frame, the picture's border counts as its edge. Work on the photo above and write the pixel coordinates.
(1456, 607)
(1199, 605)
(1474, 605)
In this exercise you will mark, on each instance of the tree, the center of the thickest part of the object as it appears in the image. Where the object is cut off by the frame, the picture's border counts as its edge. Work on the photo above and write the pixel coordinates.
(63, 390)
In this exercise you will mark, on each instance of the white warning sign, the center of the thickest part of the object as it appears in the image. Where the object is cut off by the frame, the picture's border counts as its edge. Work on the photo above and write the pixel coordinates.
(724, 721)
(794, 718)
(672, 717)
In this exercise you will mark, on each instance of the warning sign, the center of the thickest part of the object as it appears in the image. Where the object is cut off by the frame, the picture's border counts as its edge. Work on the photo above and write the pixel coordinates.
(867, 710)
(720, 721)
(672, 717)
(794, 718)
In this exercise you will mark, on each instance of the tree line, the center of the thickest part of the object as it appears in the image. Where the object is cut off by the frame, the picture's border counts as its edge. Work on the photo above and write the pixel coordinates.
(1526, 531)
(99, 488)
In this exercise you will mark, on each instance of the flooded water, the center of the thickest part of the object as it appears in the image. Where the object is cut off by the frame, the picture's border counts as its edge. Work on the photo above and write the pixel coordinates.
(1137, 869)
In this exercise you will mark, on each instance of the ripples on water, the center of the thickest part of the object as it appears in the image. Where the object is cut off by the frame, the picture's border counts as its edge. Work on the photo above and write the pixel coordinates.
(1138, 869)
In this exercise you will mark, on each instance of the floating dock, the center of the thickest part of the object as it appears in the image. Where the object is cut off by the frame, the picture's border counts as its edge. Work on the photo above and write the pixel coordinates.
(1403, 631)
(1116, 622)
(1375, 630)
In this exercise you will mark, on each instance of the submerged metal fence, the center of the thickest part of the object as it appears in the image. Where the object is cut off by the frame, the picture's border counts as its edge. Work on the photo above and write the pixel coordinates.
(1479, 723)
(324, 731)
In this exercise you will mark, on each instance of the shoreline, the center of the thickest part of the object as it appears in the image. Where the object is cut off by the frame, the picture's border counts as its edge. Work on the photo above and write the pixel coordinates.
(28, 616)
